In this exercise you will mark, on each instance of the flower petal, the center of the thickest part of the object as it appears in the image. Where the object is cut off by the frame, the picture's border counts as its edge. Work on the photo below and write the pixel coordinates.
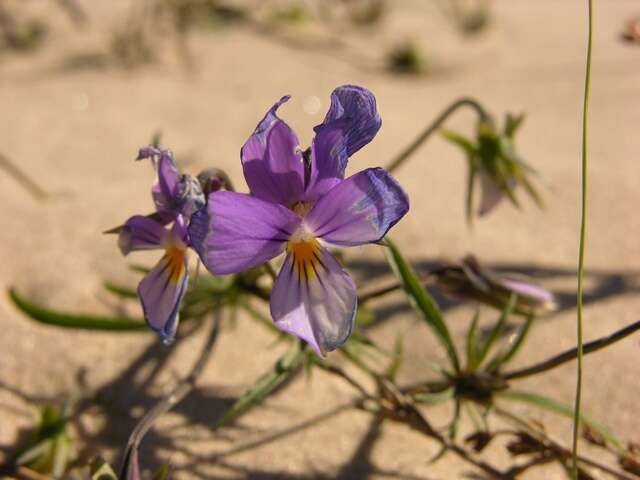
(161, 292)
(236, 231)
(165, 191)
(360, 209)
(492, 193)
(272, 161)
(356, 108)
(328, 160)
(315, 300)
(141, 233)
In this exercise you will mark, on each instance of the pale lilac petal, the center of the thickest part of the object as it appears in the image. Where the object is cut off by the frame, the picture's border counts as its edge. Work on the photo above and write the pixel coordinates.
(328, 160)
(360, 209)
(526, 289)
(141, 233)
(236, 232)
(492, 193)
(316, 302)
(356, 108)
(161, 292)
(272, 161)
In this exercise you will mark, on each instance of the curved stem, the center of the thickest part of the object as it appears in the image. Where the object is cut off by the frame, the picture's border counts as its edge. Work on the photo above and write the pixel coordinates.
(166, 403)
(571, 354)
(434, 126)
(583, 227)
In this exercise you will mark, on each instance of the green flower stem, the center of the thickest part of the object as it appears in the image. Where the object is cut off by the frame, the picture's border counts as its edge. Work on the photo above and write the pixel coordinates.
(583, 228)
(571, 354)
(434, 127)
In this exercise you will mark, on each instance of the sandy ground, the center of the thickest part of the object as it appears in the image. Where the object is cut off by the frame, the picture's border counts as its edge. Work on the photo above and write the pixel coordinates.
(77, 129)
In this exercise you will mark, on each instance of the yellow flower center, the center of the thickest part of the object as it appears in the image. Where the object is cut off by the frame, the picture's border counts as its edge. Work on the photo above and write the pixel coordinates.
(175, 261)
(304, 253)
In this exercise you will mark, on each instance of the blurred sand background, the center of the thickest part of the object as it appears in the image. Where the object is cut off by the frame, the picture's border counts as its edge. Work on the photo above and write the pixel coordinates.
(76, 127)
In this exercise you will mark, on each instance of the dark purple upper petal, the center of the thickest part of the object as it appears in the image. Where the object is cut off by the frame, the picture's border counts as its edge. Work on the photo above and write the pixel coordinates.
(360, 209)
(236, 231)
(272, 161)
(355, 108)
(328, 160)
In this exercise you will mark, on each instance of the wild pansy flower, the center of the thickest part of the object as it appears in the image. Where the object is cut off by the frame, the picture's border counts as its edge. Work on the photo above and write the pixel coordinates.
(176, 197)
(493, 159)
(301, 204)
(469, 280)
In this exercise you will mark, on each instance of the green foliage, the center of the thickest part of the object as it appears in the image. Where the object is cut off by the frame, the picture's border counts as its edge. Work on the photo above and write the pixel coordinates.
(282, 369)
(49, 316)
(423, 303)
(101, 470)
(48, 447)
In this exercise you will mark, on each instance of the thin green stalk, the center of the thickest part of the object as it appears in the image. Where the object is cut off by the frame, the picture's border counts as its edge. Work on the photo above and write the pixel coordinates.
(583, 229)
(433, 127)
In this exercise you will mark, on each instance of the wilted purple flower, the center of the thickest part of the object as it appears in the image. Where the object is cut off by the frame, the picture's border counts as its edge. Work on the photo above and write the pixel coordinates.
(469, 280)
(301, 207)
(176, 197)
(162, 289)
(174, 194)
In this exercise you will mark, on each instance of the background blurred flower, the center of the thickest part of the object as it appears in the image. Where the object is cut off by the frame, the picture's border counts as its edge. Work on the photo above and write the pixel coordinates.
(470, 281)
(493, 160)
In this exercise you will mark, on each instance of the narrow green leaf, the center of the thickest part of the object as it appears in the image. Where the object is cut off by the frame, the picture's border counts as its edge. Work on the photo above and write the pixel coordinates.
(455, 421)
(396, 360)
(284, 367)
(472, 343)
(434, 398)
(474, 415)
(101, 470)
(556, 406)
(454, 137)
(497, 329)
(471, 177)
(120, 290)
(424, 304)
(69, 320)
(512, 347)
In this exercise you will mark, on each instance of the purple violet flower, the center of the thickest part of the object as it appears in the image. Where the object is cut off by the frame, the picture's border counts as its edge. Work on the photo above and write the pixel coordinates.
(162, 289)
(176, 198)
(302, 206)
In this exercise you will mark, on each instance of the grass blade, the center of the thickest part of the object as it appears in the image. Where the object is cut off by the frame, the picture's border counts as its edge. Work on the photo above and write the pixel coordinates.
(561, 408)
(69, 320)
(286, 365)
(424, 304)
(504, 356)
(497, 329)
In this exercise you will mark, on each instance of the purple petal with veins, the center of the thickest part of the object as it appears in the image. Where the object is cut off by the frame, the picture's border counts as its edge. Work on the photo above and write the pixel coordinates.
(355, 108)
(315, 300)
(360, 209)
(238, 231)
